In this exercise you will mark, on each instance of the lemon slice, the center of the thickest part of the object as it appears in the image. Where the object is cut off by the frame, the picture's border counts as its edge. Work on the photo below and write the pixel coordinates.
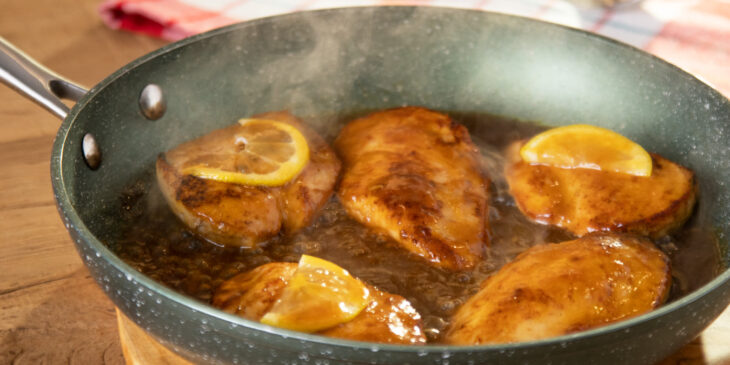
(587, 147)
(262, 152)
(319, 295)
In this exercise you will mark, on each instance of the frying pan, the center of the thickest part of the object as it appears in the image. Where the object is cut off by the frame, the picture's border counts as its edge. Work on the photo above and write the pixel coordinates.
(356, 60)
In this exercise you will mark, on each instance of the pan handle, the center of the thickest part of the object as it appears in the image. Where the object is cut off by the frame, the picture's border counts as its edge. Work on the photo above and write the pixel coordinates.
(36, 82)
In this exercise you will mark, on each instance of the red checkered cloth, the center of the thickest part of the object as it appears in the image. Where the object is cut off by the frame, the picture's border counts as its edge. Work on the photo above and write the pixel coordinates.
(692, 34)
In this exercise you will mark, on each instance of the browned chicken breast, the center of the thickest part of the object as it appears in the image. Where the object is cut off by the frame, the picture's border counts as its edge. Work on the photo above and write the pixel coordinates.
(414, 175)
(584, 200)
(556, 289)
(388, 318)
(241, 215)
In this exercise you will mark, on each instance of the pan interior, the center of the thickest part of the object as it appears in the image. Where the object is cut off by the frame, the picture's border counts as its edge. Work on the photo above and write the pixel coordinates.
(341, 63)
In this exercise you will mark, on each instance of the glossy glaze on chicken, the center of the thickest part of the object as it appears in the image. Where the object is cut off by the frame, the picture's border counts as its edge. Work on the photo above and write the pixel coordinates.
(585, 200)
(240, 215)
(559, 288)
(387, 318)
(159, 245)
(414, 174)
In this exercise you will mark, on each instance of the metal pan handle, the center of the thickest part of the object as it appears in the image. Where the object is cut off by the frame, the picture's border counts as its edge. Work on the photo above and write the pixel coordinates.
(36, 82)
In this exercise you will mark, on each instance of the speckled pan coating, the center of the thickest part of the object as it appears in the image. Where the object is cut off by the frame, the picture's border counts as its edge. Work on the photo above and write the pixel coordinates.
(361, 59)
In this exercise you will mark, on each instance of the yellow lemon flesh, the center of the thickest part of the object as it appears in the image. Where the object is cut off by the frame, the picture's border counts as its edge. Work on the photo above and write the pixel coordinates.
(319, 295)
(262, 152)
(587, 147)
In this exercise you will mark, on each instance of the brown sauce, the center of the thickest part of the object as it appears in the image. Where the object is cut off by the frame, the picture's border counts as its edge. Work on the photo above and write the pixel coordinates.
(153, 241)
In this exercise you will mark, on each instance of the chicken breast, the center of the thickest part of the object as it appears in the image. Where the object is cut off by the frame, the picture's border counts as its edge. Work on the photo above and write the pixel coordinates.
(240, 215)
(388, 318)
(555, 289)
(414, 175)
(584, 200)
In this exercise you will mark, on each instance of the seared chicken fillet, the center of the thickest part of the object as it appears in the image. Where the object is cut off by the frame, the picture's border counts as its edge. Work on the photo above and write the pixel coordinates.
(414, 174)
(585, 200)
(388, 318)
(241, 215)
(555, 289)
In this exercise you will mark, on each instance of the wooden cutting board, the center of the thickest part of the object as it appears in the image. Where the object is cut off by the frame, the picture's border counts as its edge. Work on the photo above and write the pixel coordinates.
(139, 348)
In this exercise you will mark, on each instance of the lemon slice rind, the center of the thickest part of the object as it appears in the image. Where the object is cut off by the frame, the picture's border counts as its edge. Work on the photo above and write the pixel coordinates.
(309, 304)
(286, 171)
(561, 147)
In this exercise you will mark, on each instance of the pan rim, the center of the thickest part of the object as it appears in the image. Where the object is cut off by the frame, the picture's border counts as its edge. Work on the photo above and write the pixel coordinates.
(73, 221)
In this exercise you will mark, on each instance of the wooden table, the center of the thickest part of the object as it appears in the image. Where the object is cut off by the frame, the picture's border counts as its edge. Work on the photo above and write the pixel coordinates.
(51, 311)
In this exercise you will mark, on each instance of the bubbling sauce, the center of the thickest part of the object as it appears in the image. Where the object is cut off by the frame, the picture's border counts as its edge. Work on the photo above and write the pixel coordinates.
(157, 244)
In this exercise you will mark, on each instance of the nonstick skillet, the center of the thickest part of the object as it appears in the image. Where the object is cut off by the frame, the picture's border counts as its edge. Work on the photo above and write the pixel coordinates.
(355, 60)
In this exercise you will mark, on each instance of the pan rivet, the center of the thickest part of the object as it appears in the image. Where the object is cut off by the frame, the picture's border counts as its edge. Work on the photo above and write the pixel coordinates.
(92, 153)
(151, 102)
